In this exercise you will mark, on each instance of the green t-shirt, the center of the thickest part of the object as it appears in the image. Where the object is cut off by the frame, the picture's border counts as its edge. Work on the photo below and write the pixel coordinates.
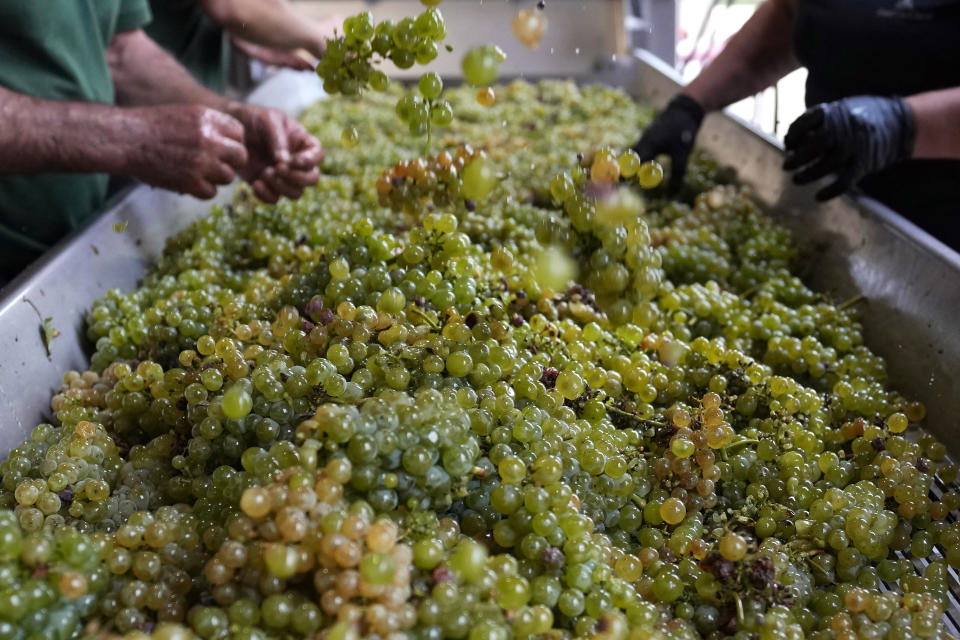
(193, 38)
(56, 50)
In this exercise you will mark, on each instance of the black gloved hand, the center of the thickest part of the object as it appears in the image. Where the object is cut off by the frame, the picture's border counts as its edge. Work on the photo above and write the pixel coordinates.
(849, 138)
(672, 133)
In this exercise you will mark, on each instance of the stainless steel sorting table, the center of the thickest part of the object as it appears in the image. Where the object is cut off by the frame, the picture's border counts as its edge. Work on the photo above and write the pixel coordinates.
(910, 280)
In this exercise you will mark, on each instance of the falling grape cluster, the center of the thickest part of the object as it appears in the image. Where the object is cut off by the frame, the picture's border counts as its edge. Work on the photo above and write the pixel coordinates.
(347, 66)
(347, 63)
(411, 186)
(578, 408)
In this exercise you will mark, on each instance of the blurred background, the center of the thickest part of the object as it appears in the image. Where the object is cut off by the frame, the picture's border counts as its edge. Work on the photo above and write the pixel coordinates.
(582, 34)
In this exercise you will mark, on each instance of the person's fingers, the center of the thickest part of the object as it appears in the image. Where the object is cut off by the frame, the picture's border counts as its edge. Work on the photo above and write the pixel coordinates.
(202, 189)
(843, 182)
(814, 145)
(263, 192)
(233, 153)
(299, 63)
(678, 170)
(219, 173)
(276, 136)
(305, 149)
(227, 126)
(802, 156)
(645, 149)
(299, 178)
(811, 119)
(306, 160)
(279, 185)
(831, 162)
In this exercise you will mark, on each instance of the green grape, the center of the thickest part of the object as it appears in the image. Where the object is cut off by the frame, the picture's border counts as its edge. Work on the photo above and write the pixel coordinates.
(481, 64)
(479, 179)
(441, 113)
(379, 80)
(431, 86)
(237, 402)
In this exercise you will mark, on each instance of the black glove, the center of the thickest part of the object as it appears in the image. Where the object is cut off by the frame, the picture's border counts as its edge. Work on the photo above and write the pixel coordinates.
(672, 133)
(849, 138)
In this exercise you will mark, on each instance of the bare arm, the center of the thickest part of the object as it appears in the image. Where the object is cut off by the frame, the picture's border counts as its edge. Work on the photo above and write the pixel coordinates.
(269, 23)
(143, 73)
(937, 118)
(186, 148)
(756, 57)
(47, 135)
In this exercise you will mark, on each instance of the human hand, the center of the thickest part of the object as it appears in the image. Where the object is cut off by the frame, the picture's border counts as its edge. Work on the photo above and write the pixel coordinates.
(672, 133)
(849, 138)
(283, 157)
(185, 148)
(288, 58)
(326, 27)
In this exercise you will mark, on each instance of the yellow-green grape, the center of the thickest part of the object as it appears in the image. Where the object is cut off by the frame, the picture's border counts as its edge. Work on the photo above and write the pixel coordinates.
(562, 187)
(673, 511)
(350, 137)
(623, 206)
(481, 64)
(378, 80)
(441, 113)
(629, 163)
(479, 179)
(570, 384)
(650, 174)
(237, 402)
(682, 447)
(553, 268)
(431, 86)
(378, 568)
(733, 547)
(897, 423)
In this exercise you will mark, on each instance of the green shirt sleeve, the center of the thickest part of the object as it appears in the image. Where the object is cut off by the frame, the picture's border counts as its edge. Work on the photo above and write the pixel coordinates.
(134, 14)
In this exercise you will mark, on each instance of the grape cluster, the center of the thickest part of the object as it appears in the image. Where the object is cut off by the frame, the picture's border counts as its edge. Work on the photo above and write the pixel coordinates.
(347, 63)
(412, 186)
(347, 66)
(623, 269)
(421, 113)
(553, 414)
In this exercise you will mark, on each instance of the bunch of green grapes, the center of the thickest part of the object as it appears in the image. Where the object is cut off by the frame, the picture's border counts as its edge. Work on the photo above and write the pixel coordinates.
(553, 414)
(421, 113)
(619, 264)
(347, 63)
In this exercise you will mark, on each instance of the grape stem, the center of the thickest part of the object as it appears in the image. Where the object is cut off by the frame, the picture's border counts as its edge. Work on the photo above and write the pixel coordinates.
(426, 151)
(736, 596)
(749, 292)
(424, 317)
(730, 447)
(852, 301)
(634, 416)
